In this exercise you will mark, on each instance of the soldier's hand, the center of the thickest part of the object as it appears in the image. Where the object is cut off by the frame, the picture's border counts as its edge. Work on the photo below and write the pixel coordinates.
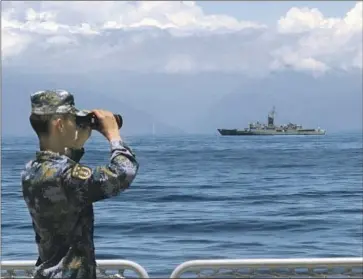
(108, 124)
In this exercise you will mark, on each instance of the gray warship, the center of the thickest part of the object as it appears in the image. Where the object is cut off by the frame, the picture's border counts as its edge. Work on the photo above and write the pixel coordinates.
(260, 129)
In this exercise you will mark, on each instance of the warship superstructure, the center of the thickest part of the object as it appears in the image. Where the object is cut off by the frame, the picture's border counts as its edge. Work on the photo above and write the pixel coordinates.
(260, 129)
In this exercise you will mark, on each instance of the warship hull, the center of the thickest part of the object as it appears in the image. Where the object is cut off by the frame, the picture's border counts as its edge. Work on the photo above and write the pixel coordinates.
(236, 132)
(270, 129)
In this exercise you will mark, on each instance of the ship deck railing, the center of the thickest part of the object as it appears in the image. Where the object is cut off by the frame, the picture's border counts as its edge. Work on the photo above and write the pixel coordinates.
(226, 268)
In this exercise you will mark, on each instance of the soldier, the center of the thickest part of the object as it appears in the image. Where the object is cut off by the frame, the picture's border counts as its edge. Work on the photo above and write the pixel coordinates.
(59, 190)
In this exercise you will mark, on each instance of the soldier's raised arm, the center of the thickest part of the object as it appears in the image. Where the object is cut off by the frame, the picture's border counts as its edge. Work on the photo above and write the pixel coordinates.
(84, 185)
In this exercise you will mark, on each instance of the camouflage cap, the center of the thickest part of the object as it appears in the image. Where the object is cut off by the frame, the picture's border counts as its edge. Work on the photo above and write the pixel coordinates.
(54, 102)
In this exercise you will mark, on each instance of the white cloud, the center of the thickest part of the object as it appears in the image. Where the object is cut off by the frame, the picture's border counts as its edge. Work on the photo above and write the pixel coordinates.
(304, 19)
(335, 41)
(174, 37)
(292, 59)
(13, 43)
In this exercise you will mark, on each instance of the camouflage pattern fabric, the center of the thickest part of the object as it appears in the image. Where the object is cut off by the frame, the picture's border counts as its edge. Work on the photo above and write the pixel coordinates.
(59, 193)
(54, 102)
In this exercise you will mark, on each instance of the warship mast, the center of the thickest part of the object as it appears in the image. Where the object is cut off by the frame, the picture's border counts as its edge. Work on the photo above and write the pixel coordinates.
(271, 117)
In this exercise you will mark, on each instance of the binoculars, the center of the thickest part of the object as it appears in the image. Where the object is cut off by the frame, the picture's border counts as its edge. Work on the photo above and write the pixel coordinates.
(92, 121)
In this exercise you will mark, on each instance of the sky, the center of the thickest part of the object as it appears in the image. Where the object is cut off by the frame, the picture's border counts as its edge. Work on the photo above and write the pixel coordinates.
(98, 41)
(174, 36)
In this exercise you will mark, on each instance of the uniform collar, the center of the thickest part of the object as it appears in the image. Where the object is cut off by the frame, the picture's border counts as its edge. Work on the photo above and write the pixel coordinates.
(47, 155)
(73, 154)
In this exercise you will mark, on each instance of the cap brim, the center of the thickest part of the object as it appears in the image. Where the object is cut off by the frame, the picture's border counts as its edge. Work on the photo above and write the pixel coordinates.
(80, 113)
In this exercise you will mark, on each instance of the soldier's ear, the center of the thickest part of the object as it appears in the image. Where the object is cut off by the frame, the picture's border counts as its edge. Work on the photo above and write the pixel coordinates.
(59, 124)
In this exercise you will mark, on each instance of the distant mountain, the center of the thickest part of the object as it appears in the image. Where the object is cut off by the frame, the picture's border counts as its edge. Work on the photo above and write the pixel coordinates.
(196, 103)
(333, 102)
(176, 99)
(200, 103)
(17, 87)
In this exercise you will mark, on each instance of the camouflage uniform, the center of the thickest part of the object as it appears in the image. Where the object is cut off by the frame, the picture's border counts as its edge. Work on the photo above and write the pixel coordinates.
(59, 192)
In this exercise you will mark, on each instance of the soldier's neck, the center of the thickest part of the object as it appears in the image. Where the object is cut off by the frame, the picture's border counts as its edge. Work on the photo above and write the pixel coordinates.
(55, 146)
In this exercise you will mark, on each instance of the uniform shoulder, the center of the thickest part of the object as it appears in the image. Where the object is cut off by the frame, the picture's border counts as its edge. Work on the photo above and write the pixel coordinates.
(47, 168)
(27, 168)
(80, 171)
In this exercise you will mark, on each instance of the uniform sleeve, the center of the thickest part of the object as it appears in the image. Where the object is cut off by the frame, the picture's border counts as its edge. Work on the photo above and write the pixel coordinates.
(84, 186)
